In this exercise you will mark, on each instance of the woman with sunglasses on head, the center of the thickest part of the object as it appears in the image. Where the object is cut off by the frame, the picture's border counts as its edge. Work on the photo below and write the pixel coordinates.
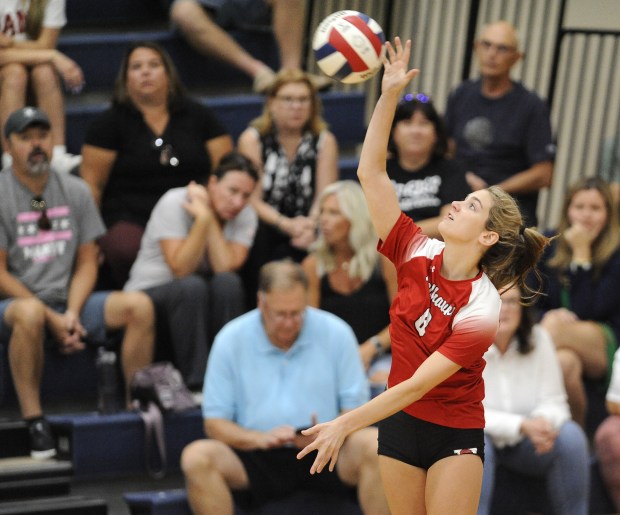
(426, 181)
(297, 157)
(443, 319)
(152, 139)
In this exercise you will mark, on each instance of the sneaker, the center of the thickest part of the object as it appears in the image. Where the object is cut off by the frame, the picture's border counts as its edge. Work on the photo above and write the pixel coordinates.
(42, 445)
(64, 162)
(264, 80)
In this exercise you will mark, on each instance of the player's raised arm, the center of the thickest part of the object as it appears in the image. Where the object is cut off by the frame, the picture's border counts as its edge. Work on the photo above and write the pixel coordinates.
(380, 194)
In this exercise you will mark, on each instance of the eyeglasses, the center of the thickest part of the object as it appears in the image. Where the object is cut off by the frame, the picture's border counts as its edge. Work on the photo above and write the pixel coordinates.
(166, 153)
(290, 101)
(283, 316)
(43, 223)
(501, 49)
(420, 97)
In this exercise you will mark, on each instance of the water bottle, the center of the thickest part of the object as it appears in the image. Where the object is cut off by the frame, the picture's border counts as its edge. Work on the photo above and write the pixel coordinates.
(107, 382)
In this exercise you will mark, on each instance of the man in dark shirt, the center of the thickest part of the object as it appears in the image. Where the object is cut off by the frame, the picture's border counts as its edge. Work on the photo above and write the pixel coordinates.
(500, 129)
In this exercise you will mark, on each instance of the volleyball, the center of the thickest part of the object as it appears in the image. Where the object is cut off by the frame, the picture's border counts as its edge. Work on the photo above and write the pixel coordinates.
(349, 46)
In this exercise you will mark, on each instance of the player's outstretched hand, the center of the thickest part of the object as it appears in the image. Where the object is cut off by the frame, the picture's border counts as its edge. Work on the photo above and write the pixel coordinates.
(329, 437)
(396, 73)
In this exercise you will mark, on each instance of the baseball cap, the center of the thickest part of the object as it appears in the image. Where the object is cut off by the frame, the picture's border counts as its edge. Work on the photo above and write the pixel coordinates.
(23, 118)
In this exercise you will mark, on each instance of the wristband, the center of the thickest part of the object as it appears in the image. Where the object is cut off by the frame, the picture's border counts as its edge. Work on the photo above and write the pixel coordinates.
(377, 345)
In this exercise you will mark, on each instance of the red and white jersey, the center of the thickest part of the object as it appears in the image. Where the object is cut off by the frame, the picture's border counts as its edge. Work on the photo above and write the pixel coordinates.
(431, 313)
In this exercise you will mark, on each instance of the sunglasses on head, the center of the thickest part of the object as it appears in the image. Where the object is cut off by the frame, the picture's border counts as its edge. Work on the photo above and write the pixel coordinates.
(39, 204)
(420, 97)
(166, 153)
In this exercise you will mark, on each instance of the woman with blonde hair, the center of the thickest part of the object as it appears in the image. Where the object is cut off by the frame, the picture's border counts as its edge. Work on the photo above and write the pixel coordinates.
(29, 31)
(297, 157)
(345, 271)
(581, 310)
(443, 319)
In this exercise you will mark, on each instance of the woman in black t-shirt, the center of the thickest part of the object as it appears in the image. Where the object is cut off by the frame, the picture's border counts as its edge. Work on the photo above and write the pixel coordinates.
(426, 181)
(153, 138)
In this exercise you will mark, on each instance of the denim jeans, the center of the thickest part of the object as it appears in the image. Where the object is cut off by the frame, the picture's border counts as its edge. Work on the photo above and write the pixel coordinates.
(566, 468)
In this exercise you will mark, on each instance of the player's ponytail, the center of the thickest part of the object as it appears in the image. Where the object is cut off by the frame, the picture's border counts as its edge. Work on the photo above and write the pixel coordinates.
(515, 255)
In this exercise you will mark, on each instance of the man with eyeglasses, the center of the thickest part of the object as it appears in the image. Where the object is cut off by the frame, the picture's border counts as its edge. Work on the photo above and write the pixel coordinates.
(271, 372)
(48, 268)
(500, 130)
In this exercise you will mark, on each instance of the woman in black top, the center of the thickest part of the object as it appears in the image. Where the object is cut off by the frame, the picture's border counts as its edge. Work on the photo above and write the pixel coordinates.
(348, 277)
(151, 139)
(426, 181)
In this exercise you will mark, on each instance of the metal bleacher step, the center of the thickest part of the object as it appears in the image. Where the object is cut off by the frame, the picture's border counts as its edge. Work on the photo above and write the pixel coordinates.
(64, 505)
(174, 502)
(99, 52)
(24, 478)
(118, 12)
(107, 446)
(343, 111)
(14, 439)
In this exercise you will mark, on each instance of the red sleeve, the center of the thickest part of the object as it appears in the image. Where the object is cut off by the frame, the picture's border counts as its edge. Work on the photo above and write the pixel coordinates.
(403, 240)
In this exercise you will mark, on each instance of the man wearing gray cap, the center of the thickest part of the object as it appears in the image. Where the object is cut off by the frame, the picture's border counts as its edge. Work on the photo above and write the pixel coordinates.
(48, 268)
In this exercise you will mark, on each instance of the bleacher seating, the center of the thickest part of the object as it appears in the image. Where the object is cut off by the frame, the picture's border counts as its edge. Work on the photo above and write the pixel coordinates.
(94, 446)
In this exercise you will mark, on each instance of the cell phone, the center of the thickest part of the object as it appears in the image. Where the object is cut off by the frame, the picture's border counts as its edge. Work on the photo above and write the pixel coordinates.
(300, 429)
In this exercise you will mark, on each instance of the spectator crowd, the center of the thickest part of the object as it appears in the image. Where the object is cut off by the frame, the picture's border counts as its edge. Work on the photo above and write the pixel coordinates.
(256, 270)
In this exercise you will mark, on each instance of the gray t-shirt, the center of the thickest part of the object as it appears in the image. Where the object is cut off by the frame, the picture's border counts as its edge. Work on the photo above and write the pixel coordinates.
(171, 221)
(44, 260)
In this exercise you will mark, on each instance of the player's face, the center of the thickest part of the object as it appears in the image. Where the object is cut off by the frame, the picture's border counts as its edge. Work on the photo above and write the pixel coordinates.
(588, 209)
(292, 106)
(333, 224)
(146, 74)
(31, 151)
(283, 314)
(497, 51)
(467, 218)
(415, 136)
(510, 314)
(230, 194)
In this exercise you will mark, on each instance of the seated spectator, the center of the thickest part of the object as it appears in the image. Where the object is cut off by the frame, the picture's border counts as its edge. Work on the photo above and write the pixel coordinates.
(48, 267)
(153, 138)
(204, 24)
(195, 241)
(607, 437)
(297, 157)
(30, 66)
(500, 129)
(276, 369)
(426, 182)
(528, 426)
(347, 276)
(581, 310)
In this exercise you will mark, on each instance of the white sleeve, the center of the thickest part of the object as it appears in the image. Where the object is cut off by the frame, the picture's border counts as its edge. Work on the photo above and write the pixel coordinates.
(55, 16)
(551, 402)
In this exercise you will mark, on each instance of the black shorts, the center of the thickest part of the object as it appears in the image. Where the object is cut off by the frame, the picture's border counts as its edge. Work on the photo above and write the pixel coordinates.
(275, 473)
(421, 444)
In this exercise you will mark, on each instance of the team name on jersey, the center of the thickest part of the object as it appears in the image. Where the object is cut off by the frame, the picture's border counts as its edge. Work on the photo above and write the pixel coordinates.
(444, 306)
